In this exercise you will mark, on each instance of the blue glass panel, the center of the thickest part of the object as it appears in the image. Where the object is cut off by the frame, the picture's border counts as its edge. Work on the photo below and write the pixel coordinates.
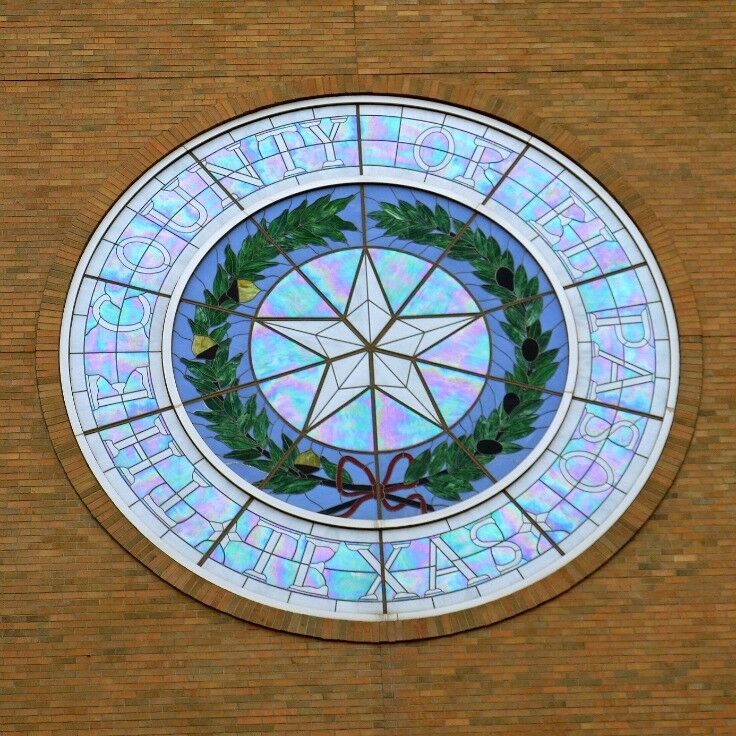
(334, 275)
(399, 273)
(292, 395)
(454, 392)
(400, 427)
(468, 349)
(440, 294)
(351, 427)
(293, 561)
(272, 353)
(623, 341)
(294, 297)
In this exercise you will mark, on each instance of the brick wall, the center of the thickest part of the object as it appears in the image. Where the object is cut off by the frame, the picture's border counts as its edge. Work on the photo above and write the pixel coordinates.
(92, 641)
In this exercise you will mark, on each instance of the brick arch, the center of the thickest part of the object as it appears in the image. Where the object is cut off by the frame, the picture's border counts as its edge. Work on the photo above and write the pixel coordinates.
(104, 510)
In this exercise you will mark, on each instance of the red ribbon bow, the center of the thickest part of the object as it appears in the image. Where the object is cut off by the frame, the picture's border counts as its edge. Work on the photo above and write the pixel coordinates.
(378, 489)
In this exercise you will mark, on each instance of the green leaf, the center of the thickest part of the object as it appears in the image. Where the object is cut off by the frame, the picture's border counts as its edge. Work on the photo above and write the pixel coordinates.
(245, 455)
(219, 334)
(517, 431)
(415, 222)
(331, 471)
(442, 218)
(231, 262)
(509, 447)
(260, 428)
(263, 465)
(546, 358)
(449, 487)
(417, 467)
(516, 335)
(533, 310)
(274, 450)
(516, 317)
(520, 281)
(286, 441)
(250, 406)
(438, 461)
(221, 283)
(456, 457)
(286, 483)
(541, 376)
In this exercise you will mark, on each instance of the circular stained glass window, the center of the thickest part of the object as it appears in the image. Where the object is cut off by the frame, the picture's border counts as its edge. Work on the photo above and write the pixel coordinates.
(369, 358)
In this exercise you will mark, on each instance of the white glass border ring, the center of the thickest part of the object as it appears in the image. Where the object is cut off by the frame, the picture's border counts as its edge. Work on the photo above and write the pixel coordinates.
(615, 412)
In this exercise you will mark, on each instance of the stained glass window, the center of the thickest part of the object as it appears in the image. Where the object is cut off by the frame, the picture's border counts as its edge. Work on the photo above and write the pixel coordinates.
(369, 358)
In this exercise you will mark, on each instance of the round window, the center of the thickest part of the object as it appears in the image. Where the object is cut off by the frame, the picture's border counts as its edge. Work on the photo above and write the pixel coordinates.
(369, 358)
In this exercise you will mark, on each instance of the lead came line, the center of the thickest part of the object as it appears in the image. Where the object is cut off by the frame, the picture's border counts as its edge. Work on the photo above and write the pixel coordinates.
(277, 466)
(372, 382)
(382, 563)
(483, 468)
(591, 279)
(127, 286)
(506, 174)
(354, 283)
(360, 139)
(606, 405)
(217, 182)
(276, 245)
(205, 397)
(204, 305)
(448, 248)
(390, 496)
(482, 312)
(511, 382)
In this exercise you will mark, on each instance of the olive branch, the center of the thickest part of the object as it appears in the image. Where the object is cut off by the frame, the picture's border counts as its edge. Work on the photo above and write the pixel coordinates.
(445, 469)
(237, 424)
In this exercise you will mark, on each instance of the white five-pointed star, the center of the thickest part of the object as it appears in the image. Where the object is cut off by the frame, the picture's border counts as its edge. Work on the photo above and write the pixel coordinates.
(371, 347)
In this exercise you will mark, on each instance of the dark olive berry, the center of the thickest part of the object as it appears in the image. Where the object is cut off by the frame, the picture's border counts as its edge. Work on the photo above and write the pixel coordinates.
(505, 278)
(530, 349)
(232, 292)
(489, 447)
(510, 402)
(209, 354)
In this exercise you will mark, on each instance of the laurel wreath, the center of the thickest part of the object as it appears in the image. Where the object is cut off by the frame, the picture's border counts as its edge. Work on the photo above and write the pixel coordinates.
(445, 469)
